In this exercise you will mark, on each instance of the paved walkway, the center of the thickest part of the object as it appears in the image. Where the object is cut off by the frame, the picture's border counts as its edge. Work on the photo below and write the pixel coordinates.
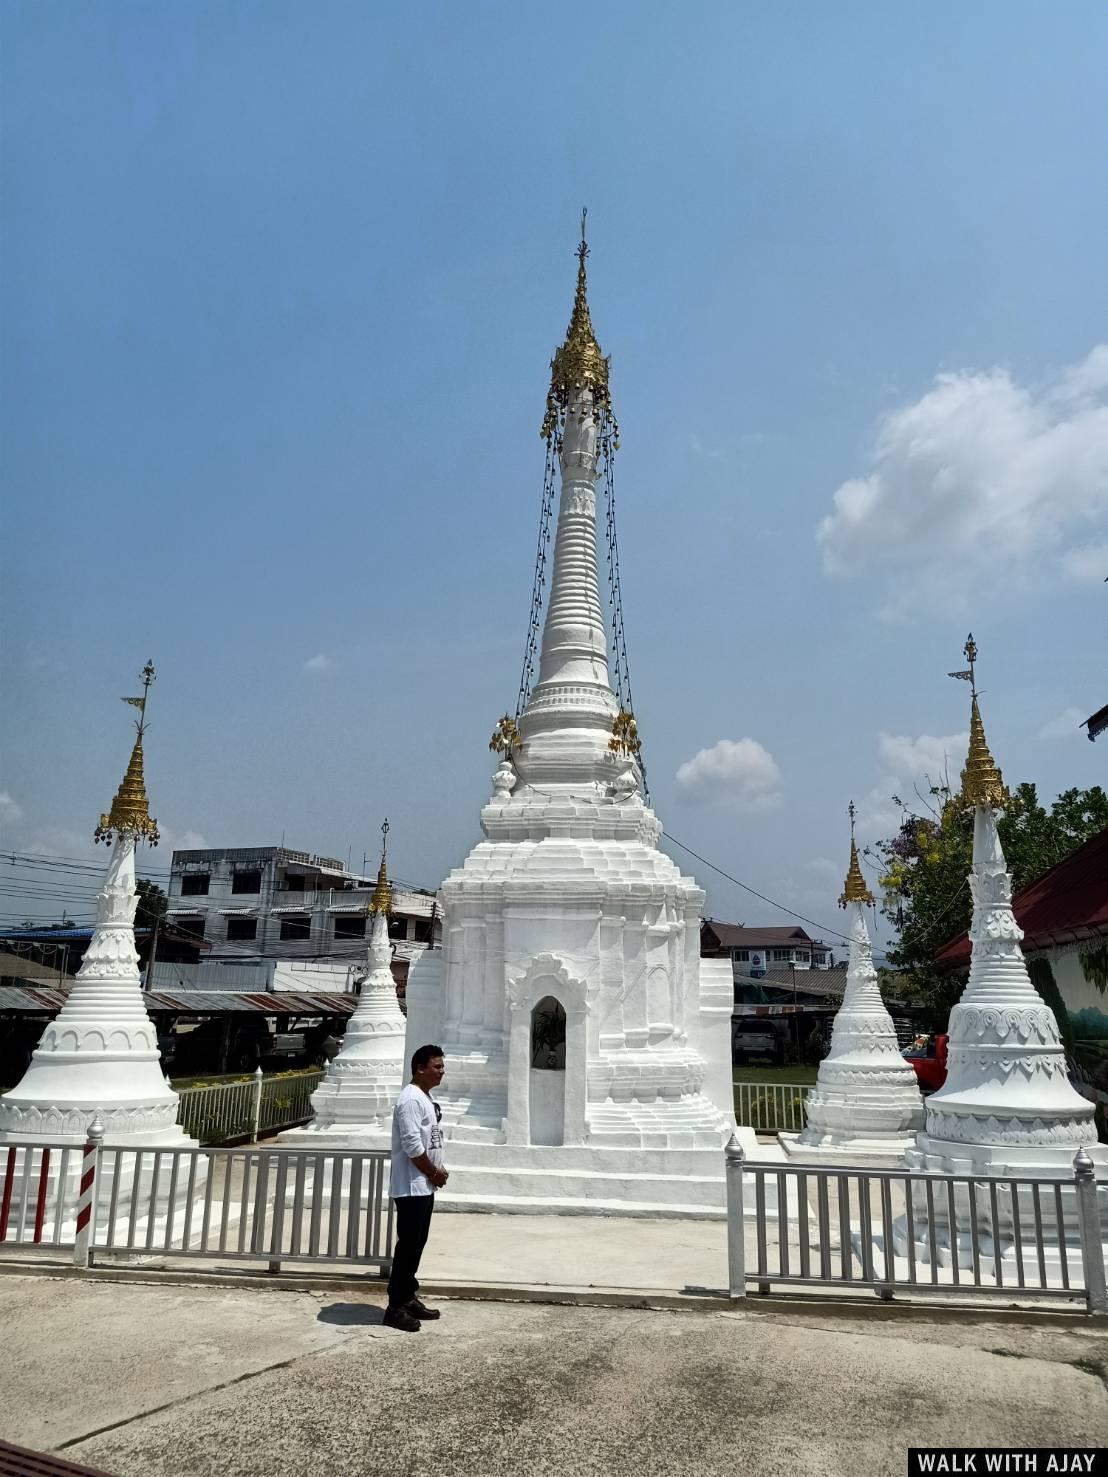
(185, 1381)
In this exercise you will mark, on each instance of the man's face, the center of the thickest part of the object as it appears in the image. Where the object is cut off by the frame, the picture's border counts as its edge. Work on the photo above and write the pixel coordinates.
(431, 1074)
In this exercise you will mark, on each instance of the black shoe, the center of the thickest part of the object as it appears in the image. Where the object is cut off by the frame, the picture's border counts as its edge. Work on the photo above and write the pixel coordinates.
(401, 1319)
(419, 1310)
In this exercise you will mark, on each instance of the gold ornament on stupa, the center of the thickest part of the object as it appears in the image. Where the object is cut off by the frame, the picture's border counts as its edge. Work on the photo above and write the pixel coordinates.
(625, 735)
(854, 889)
(578, 365)
(506, 737)
(381, 901)
(130, 812)
(982, 781)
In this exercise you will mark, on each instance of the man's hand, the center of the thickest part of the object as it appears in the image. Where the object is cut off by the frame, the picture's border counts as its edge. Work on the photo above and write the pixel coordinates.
(439, 1178)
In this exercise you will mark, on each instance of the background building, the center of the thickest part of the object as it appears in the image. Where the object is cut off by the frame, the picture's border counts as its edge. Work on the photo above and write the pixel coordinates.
(252, 910)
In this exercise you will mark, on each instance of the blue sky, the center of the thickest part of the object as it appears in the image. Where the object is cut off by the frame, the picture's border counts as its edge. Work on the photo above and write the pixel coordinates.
(280, 286)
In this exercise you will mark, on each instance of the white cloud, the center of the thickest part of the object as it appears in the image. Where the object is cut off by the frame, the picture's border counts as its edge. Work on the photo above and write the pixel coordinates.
(1087, 566)
(737, 773)
(980, 477)
(173, 840)
(1066, 725)
(907, 764)
(319, 663)
(10, 812)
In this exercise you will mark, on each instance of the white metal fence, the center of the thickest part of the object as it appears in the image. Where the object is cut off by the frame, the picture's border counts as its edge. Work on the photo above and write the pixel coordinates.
(771, 1107)
(224, 1111)
(243, 1204)
(890, 1230)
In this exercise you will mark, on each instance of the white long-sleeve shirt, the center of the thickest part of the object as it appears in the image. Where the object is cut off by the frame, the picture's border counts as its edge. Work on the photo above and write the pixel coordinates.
(415, 1131)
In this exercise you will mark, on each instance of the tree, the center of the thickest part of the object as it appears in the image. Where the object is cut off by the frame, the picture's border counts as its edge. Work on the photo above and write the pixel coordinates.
(152, 903)
(925, 869)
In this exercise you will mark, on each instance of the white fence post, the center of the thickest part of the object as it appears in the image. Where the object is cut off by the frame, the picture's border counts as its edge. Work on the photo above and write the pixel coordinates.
(86, 1224)
(1088, 1218)
(259, 1078)
(736, 1231)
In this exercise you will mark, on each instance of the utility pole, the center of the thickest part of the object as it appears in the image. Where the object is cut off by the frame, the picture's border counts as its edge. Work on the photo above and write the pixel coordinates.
(153, 951)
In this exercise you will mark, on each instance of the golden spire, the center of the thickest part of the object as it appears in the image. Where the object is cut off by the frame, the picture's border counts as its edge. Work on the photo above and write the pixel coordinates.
(854, 889)
(982, 782)
(578, 364)
(130, 812)
(381, 901)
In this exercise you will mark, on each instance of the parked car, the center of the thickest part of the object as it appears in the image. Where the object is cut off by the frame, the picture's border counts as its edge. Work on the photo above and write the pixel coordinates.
(754, 1038)
(927, 1058)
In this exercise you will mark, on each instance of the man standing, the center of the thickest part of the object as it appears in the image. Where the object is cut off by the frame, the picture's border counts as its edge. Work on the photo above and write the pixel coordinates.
(417, 1173)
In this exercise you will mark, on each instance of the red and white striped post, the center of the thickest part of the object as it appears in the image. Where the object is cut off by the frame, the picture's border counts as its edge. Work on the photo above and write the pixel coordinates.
(89, 1165)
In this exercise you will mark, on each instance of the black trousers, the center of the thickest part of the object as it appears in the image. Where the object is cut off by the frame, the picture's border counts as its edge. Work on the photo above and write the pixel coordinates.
(413, 1225)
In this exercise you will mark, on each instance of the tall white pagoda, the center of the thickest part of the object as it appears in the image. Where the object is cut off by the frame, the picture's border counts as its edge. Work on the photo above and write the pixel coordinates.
(99, 1056)
(587, 1044)
(352, 1106)
(1007, 1105)
(866, 1105)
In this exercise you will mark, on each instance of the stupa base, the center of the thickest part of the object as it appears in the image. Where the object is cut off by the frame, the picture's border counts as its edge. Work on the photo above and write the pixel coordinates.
(836, 1151)
(334, 1138)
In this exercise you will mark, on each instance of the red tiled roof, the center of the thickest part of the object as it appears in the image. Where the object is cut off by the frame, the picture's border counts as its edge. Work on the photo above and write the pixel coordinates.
(1063, 906)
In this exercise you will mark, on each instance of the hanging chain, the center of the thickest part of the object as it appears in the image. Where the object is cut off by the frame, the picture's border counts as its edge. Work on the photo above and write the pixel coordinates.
(534, 629)
(607, 446)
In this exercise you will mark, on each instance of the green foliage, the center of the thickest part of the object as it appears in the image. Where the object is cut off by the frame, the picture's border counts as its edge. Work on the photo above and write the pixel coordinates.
(152, 903)
(1042, 977)
(925, 868)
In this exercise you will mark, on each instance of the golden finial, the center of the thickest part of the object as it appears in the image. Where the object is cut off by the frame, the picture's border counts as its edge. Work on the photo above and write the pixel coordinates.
(625, 735)
(854, 889)
(506, 737)
(578, 365)
(130, 812)
(982, 782)
(381, 901)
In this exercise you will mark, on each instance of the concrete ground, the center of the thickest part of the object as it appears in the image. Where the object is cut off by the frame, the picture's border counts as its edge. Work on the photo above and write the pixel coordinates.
(189, 1380)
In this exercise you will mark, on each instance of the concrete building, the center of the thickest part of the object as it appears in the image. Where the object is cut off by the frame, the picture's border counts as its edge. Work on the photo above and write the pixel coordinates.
(755, 952)
(249, 906)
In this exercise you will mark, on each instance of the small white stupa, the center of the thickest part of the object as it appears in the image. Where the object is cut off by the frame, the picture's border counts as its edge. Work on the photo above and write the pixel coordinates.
(99, 1056)
(866, 1105)
(1007, 1106)
(352, 1106)
(588, 1061)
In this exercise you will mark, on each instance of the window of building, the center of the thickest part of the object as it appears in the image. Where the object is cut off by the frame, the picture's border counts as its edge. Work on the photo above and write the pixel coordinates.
(424, 931)
(780, 955)
(194, 927)
(802, 956)
(350, 926)
(295, 882)
(243, 930)
(195, 884)
(247, 882)
(398, 928)
(742, 956)
(296, 928)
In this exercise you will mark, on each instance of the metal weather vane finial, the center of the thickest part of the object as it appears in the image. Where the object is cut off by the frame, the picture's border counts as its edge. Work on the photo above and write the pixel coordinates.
(579, 364)
(130, 812)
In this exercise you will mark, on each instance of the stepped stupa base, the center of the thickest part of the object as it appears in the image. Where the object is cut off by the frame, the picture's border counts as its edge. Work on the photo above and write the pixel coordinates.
(335, 1138)
(583, 1179)
(835, 1151)
(994, 1226)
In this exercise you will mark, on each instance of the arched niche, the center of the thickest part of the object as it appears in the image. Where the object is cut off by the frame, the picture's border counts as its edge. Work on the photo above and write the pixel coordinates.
(546, 1099)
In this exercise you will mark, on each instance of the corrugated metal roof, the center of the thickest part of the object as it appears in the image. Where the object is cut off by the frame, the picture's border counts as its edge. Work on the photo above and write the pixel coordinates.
(193, 1002)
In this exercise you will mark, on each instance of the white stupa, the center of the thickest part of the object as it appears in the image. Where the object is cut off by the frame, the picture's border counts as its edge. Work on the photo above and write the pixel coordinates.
(587, 1043)
(99, 1056)
(866, 1105)
(1007, 1106)
(352, 1106)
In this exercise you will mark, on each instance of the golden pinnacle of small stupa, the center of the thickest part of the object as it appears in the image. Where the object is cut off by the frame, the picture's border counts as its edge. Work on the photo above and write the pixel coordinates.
(578, 365)
(982, 781)
(130, 812)
(381, 901)
(854, 888)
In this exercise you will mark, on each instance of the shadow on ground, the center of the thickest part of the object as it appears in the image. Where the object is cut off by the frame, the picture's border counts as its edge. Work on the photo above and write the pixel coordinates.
(350, 1314)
